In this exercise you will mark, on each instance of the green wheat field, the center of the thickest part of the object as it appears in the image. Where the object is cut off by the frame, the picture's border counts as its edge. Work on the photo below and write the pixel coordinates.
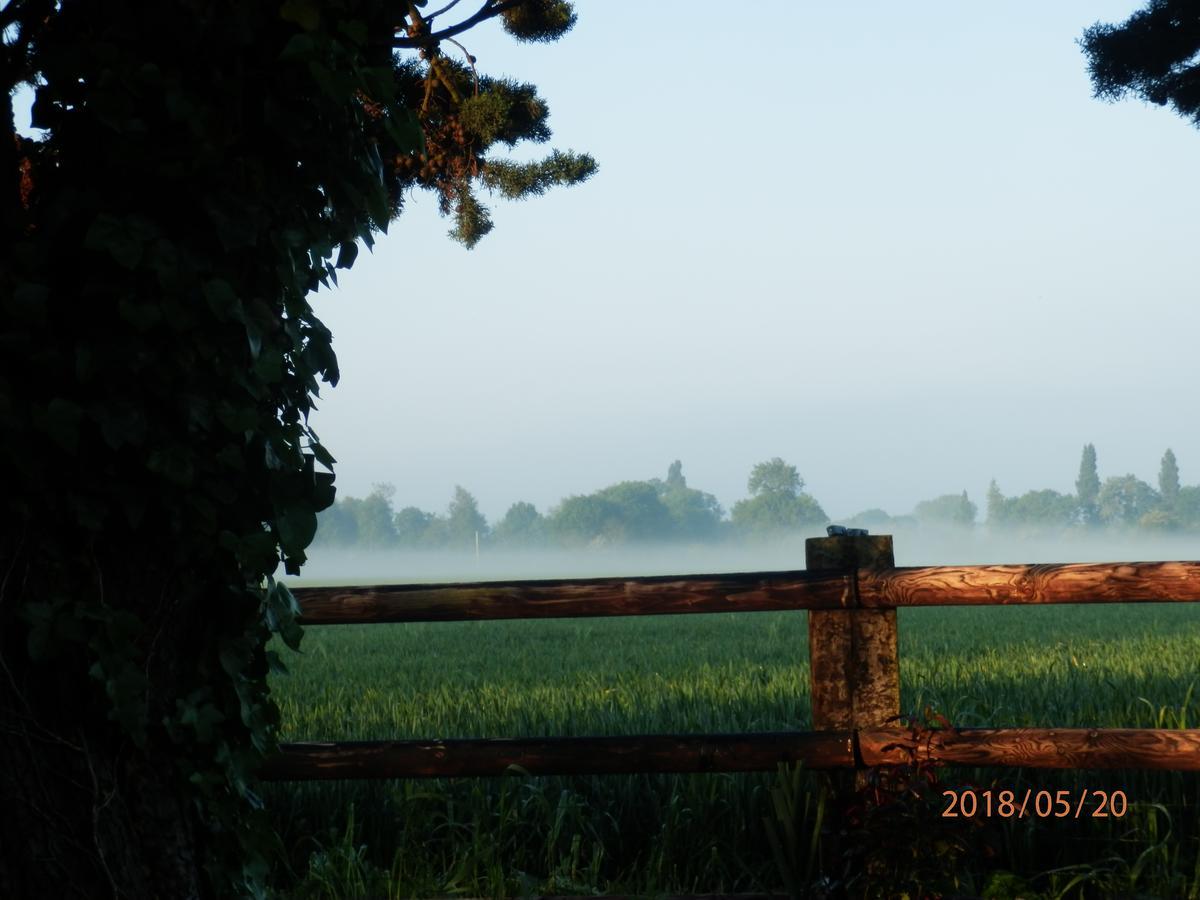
(1107, 666)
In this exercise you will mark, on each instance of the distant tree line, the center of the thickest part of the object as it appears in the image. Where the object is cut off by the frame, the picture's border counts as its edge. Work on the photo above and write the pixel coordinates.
(1120, 501)
(623, 513)
(777, 506)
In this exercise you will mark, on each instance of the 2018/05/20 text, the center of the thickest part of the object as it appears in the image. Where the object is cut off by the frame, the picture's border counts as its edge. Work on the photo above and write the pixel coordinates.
(1007, 804)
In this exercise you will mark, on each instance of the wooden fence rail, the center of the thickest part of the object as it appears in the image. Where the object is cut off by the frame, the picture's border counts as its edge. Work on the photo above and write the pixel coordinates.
(852, 588)
(1044, 748)
(1124, 582)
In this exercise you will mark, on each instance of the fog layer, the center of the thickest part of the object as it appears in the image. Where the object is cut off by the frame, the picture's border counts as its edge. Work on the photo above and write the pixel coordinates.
(923, 546)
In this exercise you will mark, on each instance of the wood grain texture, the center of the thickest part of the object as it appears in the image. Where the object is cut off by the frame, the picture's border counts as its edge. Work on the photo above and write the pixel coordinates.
(1041, 748)
(853, 660)
(830, 643)
(656, 595)
(1120, 582)
(830, 588)
(1051, 748)
(558, 756)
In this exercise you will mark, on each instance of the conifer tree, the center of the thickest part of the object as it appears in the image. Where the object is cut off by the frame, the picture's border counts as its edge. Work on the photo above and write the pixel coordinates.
(1168, 480)
(1154, 55)
(675, 479)
(1087, 487)
(995, 504)
(464, 522)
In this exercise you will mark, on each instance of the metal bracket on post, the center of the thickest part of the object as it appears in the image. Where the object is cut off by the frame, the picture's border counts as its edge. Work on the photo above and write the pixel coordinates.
(853, 660)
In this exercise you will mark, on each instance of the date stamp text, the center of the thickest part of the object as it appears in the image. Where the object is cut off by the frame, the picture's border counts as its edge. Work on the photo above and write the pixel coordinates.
(1080, 804)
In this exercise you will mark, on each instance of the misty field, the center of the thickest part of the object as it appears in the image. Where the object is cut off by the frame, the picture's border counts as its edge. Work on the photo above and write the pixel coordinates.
(1116, 666)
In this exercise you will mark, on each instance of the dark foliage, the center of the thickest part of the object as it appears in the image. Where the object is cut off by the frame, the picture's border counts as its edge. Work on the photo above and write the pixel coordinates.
(205, 168)
(1152, 55)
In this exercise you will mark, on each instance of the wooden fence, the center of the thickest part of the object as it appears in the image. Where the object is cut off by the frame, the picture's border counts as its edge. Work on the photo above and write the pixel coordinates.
(851, 587)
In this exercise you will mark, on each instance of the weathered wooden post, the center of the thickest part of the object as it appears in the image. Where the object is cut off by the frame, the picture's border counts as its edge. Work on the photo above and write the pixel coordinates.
(853, 662)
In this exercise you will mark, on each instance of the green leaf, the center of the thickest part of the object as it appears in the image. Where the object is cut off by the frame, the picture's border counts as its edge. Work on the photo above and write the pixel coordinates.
(41, 640)
(301, 46)
(324, 457)
(29, 303)
(142, 316)
(404, 128)
(202, 718)
(304, 13)
(276, 664)
(347, 253)
(333, 85)
(257, 551)
(236, 220)
(113, 235)
(174, 463)
(284, 612)
(120, 423)
(253, 339)
(61, 421)
(296, 525)
(269, 365)
(324, 493)
(355, 30)
(223, 300)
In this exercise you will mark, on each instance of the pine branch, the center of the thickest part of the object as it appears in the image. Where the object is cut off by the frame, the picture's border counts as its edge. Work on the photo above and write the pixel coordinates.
(489, 10)
(449, 6)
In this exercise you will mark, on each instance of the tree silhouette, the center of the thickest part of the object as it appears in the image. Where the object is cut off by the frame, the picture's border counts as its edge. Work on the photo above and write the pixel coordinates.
(202, 169)
(464, 522)
(1168, 480)
(1154, 55)
(1087, 487)
(777, 504)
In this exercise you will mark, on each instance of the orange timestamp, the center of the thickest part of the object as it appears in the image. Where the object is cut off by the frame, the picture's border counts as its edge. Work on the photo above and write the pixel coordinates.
(968, 804)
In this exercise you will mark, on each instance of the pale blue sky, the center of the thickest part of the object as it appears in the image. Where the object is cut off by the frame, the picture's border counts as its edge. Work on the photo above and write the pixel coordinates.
(899, 245)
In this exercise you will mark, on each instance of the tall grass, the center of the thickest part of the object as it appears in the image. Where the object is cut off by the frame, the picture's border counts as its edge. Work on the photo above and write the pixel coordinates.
(1114, 666)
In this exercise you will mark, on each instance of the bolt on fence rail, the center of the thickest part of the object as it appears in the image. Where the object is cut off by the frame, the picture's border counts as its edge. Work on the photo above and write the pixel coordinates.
(851, 588)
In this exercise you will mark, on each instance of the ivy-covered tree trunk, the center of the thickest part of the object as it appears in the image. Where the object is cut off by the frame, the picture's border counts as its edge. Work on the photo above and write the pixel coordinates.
(87, 811)
(204, 168)
(203, 164)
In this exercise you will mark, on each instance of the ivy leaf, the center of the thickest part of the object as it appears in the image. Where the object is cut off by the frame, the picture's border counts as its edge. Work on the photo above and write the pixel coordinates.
(203, 719)
(223, 300)
(324, 493)
(41, 641)
(404, 128)
(174, 464)
(296, 526)
(142, 316)
(324, 457)
(255, 551)
(355, 30)
(284, 612)
(29, 303)
(253, 339)
(333, 84)
(347, 253)
(301, 46)
(276, 664)
(120, 423)
(304, 13)
(120, 238)
(61, 421)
